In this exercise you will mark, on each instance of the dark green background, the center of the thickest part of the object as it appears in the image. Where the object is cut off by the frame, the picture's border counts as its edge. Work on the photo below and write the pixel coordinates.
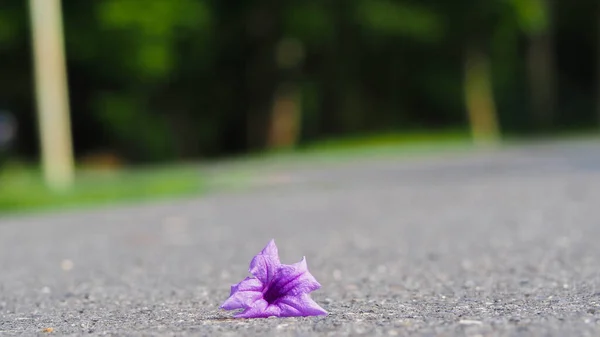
(162, 80)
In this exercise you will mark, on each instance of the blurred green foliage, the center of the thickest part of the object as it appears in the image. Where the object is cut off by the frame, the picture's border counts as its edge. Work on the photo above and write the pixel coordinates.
(23, 189)
(391, 18)
(532, 15)
(164, 80)
(151, 29)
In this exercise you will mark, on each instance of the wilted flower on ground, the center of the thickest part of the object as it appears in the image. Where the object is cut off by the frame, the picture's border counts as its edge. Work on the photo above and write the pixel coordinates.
(275, 289)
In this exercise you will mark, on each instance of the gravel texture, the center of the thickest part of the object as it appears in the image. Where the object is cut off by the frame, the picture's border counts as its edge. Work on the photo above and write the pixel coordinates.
(502, 243)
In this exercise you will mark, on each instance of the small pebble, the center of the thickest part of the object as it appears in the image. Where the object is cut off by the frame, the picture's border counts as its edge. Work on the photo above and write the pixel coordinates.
(469, 322)
(66, 265)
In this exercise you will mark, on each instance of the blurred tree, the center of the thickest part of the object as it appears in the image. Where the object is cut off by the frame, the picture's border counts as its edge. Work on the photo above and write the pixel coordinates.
(535, 18)
(476, 47)
(286, 114)
(145, 113)
(194, 78)
(342, 33)
(263, 31)
(52, 94)
(480, 102)
(508, 70)
(394, 31)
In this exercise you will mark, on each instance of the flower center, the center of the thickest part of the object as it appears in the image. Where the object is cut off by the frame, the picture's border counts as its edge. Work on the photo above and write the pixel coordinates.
(272, 294)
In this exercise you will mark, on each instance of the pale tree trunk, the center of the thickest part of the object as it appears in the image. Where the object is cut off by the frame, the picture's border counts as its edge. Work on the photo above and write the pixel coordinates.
(52, 93)
(284, 127)
(542, 78)
(286, 112)
(479, 98)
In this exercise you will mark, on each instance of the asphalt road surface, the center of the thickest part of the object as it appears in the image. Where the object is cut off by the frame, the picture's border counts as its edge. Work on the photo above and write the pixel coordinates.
(503, 243)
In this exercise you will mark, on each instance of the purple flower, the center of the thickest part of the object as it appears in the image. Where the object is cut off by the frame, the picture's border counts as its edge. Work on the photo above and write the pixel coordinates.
(275, 290)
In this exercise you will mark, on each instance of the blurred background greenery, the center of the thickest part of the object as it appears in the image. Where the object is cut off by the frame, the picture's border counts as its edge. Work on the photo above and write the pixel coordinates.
(171, 81)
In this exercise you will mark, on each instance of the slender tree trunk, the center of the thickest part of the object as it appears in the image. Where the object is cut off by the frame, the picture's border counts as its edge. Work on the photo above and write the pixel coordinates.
(479, 98)
(52, 93)
(286, 114)
(542, 78)
(285, 117)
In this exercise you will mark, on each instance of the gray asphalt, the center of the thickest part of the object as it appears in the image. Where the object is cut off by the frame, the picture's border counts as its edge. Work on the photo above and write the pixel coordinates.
(501, 243)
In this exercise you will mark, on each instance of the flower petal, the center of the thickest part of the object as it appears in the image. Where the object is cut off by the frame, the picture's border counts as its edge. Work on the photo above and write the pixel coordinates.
(243, 294)
(260, 309)
(295, 279)
(265, 264)
(303, 305)
(248, 284)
